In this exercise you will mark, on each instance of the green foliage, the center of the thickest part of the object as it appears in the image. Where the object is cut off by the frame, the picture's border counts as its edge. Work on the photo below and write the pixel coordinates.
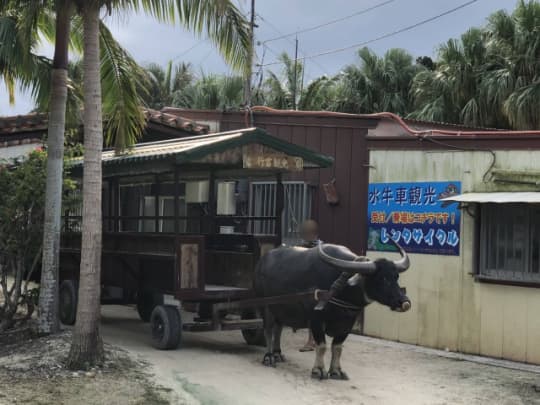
(166, 85)
(212, 92)
(284, 90)
(124, 84)
(21, 67)
(22, 204)
(377, 83)
(121, 81)
(489, 77)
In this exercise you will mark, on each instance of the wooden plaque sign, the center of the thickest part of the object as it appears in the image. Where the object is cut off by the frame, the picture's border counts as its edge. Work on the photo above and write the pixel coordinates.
(265, 158)
(189, 265)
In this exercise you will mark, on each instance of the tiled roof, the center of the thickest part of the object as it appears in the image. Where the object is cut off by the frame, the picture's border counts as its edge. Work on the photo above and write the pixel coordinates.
(17, 124)
(31, 128)
(174, 121)
(433, 124)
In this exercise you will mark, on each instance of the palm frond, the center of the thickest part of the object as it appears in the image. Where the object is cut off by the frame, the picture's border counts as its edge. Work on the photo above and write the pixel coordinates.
(121, 80)
(220, 20)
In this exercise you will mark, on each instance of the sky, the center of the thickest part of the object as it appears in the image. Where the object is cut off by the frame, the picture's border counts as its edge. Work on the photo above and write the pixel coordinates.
(148, 41)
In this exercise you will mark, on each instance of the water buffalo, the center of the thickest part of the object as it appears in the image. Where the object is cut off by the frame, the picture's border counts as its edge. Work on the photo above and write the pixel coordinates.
(355, 282)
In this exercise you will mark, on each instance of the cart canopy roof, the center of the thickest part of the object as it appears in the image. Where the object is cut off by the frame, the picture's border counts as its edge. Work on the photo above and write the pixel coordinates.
(251, 148)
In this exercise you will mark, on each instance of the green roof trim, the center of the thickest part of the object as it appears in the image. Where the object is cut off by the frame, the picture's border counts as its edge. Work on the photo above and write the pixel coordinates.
(185, 150)
(257, 136)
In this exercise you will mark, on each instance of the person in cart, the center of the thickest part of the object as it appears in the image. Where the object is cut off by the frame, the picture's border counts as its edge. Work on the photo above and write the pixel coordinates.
(309, 232)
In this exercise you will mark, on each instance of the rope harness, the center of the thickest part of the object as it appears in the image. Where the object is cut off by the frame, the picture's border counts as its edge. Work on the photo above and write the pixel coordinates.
(343, 304)
(334, 301)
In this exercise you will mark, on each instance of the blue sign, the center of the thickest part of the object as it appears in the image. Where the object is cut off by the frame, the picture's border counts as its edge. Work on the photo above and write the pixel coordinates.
(412, 215)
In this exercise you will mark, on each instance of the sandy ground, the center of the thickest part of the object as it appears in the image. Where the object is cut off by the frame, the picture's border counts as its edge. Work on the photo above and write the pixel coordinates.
(219, 368)
(33, 372)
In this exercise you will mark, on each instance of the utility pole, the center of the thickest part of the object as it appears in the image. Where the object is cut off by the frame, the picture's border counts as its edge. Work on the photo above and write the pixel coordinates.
(251, 54)
(295, 72)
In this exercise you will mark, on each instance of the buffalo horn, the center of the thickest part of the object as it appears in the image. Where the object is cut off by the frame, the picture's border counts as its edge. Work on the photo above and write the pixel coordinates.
(361, 267)
(403, 263)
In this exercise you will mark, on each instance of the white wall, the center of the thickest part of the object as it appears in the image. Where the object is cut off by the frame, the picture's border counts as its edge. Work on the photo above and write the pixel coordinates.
(449, 309)
(16, 151)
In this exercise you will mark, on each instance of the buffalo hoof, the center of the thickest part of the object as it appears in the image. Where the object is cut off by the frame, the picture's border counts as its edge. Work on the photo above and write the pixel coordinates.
(338, 375)
(269, 360)
(278, 357)
(319, 373)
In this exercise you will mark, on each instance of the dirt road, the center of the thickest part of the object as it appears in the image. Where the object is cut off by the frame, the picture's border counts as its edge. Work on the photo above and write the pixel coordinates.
(219, 368)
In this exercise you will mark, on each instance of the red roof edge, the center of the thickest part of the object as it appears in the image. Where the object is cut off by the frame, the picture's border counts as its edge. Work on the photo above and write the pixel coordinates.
(405, 126)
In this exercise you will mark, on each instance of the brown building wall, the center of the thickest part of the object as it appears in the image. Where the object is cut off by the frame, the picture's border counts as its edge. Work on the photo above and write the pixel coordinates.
(344, 138)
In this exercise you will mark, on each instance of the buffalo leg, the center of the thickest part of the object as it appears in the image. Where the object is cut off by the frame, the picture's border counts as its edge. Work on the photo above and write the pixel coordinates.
(269, 323)
(317, 329)
(335, 371)
(276, 349)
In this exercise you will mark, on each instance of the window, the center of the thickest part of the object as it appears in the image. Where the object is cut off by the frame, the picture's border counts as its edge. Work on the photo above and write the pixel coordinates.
(510, 242)
(147, 209)
(166, 207)
(297, 208)
(72, 219)
(136, 200)
(138, 207)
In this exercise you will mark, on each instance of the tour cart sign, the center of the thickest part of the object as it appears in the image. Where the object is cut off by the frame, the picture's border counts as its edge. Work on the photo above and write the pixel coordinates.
(266, 158)
(413, 215)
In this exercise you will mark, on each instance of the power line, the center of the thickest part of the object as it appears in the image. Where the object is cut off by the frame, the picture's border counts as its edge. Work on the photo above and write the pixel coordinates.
(249, 73)
(364, 11)
(384, 36)
(265, 45)
(189, 49)
(277, 55)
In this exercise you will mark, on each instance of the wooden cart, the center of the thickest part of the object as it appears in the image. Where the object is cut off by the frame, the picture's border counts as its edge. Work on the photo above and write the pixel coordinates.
(181, 231)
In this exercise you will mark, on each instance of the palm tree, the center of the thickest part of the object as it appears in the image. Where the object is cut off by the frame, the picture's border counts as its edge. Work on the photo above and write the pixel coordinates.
(512, 85)
(489, 77)
(48, 298)
(227, 28)
(87, 346)
(283, 91)
(211, 92)
(377, 83)
(21, 26)
(167, 84)
(450, 93)
(319, 94)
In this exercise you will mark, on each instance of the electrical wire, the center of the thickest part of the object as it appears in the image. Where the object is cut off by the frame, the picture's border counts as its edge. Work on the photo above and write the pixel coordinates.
(466, 149)
(274, 28)
(384, 36)
(316, 27)
(189, 49)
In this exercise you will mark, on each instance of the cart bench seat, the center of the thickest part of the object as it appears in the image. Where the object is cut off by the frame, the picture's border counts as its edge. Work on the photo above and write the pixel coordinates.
(215, 287)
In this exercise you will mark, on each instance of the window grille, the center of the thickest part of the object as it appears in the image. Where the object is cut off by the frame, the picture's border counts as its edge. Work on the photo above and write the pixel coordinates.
(510, 242)
(297, 208)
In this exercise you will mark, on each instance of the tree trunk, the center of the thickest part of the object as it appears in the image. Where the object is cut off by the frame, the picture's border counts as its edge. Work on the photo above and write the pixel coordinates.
(87, 346)
(48, 297)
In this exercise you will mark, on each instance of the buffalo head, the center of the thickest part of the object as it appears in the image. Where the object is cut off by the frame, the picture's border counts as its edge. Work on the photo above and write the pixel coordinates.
(380, 277)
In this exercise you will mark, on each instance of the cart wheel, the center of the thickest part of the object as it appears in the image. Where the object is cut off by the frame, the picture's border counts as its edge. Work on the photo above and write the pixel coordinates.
(253, 337)
(166, 327)
(68, 301)
(146, 302)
